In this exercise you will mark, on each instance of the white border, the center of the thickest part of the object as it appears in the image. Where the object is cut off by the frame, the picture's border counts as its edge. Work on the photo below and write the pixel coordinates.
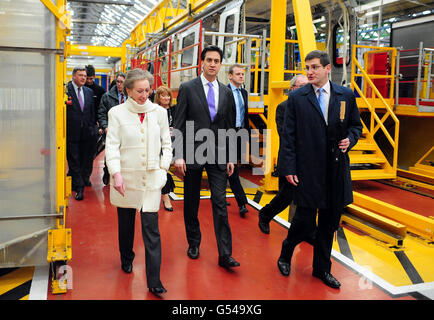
(39, 287)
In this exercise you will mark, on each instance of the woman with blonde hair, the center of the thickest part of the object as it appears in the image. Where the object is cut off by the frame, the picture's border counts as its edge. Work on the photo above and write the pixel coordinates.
(138, 155)
(163, 97)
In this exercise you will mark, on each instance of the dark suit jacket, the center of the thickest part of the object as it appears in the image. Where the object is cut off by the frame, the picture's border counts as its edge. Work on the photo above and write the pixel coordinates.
(280, 117)
(192, 106)
(80, 124)
(304, 143)
(246, 106)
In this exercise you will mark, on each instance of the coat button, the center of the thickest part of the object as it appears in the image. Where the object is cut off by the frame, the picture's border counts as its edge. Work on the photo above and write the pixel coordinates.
(143, 155)
(143, 140)
(142, 130)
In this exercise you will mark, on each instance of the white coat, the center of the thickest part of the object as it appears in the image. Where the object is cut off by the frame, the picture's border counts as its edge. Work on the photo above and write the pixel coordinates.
(141, 152)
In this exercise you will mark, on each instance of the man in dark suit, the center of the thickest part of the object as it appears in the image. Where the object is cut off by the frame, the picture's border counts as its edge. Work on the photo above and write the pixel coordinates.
(312, 114)
(204, 105)
(236, 77)
(80, 131)
(98, 92)
(110, 99)
(284, 197)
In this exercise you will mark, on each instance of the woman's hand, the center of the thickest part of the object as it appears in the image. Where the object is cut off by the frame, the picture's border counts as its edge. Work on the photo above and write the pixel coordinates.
(119, 183)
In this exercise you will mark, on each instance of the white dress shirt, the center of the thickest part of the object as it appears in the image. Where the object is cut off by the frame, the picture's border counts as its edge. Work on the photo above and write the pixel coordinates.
(215, 86)
(76, 91)
(326, 93)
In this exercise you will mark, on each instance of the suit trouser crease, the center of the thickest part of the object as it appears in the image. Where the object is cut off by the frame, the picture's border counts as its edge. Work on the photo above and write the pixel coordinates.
(279, 203)
(151, 239)
(217, 182)
(303, 225)
(79, 155)
(236, 187)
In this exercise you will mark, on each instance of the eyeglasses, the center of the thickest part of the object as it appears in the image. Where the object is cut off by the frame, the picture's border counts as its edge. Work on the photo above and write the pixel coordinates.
(313, 68)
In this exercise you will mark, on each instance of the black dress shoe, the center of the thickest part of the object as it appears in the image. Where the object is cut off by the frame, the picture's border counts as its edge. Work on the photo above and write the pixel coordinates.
(284, 267)
(158, 290)
(264, 224)
(127, 267)
(243, 211)
(327, 278)
(79, 195)
(228, 262)
(193, 252)
(228, 204)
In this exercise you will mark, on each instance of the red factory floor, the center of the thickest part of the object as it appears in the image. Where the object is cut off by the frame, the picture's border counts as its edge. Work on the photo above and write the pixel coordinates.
(97, 273)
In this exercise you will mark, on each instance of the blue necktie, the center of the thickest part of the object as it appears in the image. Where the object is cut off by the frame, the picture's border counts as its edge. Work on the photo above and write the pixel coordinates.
(321, 101)
(240, 106)
(211, 101)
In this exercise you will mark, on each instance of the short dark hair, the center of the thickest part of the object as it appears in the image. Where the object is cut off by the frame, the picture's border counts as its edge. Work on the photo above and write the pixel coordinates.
(323, 57)
(232, 67)
(120, 74)
(78, 68)
(90, 70)
(209, 49)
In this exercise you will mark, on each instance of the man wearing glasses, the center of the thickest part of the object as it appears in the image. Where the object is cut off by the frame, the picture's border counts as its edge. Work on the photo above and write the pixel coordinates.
(312, 113)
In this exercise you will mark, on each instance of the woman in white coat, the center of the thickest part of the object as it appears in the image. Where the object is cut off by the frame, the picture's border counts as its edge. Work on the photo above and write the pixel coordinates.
(138, 155)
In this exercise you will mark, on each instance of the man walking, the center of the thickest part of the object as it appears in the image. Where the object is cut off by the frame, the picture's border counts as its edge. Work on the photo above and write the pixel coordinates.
(313, 114)
(80, 131)
(236, 77)
(285, 195)
(205, 105)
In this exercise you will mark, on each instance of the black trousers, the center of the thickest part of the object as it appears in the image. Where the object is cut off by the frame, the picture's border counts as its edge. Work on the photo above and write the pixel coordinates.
(236, 187)
(151, 239)
(302, 226)
(79, 155)
(217, 182)
(280, 201)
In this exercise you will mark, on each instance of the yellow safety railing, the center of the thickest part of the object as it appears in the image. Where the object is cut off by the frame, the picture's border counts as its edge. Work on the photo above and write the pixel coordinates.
(376, 122)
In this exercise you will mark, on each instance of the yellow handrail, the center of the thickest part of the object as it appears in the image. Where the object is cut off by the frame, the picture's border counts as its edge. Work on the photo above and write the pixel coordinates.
(425, 155)
(389, 112)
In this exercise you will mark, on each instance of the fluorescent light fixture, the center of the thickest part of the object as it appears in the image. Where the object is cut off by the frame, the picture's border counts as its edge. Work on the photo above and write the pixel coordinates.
(371, 13)
(373, 4)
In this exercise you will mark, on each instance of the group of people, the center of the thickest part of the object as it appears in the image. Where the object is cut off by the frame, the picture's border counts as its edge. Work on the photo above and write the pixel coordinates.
(142, 138)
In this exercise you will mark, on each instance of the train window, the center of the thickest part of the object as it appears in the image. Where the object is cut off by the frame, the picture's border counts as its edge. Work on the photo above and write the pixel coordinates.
(229, 28)
(187, 55)
(338, 47)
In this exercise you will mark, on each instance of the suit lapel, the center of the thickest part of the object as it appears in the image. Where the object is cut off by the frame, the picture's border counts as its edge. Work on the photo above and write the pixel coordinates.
(202, 97)
(334, 107)
(73, 96)
(311, 96)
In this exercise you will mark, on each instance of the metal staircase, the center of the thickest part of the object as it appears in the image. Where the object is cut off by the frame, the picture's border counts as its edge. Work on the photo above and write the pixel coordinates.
(367, 160)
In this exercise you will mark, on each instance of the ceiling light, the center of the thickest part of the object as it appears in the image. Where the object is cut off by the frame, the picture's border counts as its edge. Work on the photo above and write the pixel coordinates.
(371, 13)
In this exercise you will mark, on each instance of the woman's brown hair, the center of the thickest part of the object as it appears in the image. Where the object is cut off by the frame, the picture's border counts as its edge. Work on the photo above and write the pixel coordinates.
(161, 90)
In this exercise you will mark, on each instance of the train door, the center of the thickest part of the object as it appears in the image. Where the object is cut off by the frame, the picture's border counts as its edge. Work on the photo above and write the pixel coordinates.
(229, 24)
(186, 47)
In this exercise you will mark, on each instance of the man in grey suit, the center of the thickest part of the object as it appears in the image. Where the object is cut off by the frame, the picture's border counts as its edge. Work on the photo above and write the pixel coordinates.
(205, 106)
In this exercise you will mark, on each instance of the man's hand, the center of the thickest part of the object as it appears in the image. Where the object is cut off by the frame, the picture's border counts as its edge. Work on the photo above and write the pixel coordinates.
(105, 130)
(230, 168)
(292, 179)
(344, 144)
(180, 166)
(119, 184)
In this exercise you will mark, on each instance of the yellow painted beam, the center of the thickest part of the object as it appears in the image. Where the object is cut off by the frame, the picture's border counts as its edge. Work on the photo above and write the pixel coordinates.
(372, 230)
(414, 222)
(304, 26)
(60, 12)
(276, 84)
(383, 222)
(83, 50)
